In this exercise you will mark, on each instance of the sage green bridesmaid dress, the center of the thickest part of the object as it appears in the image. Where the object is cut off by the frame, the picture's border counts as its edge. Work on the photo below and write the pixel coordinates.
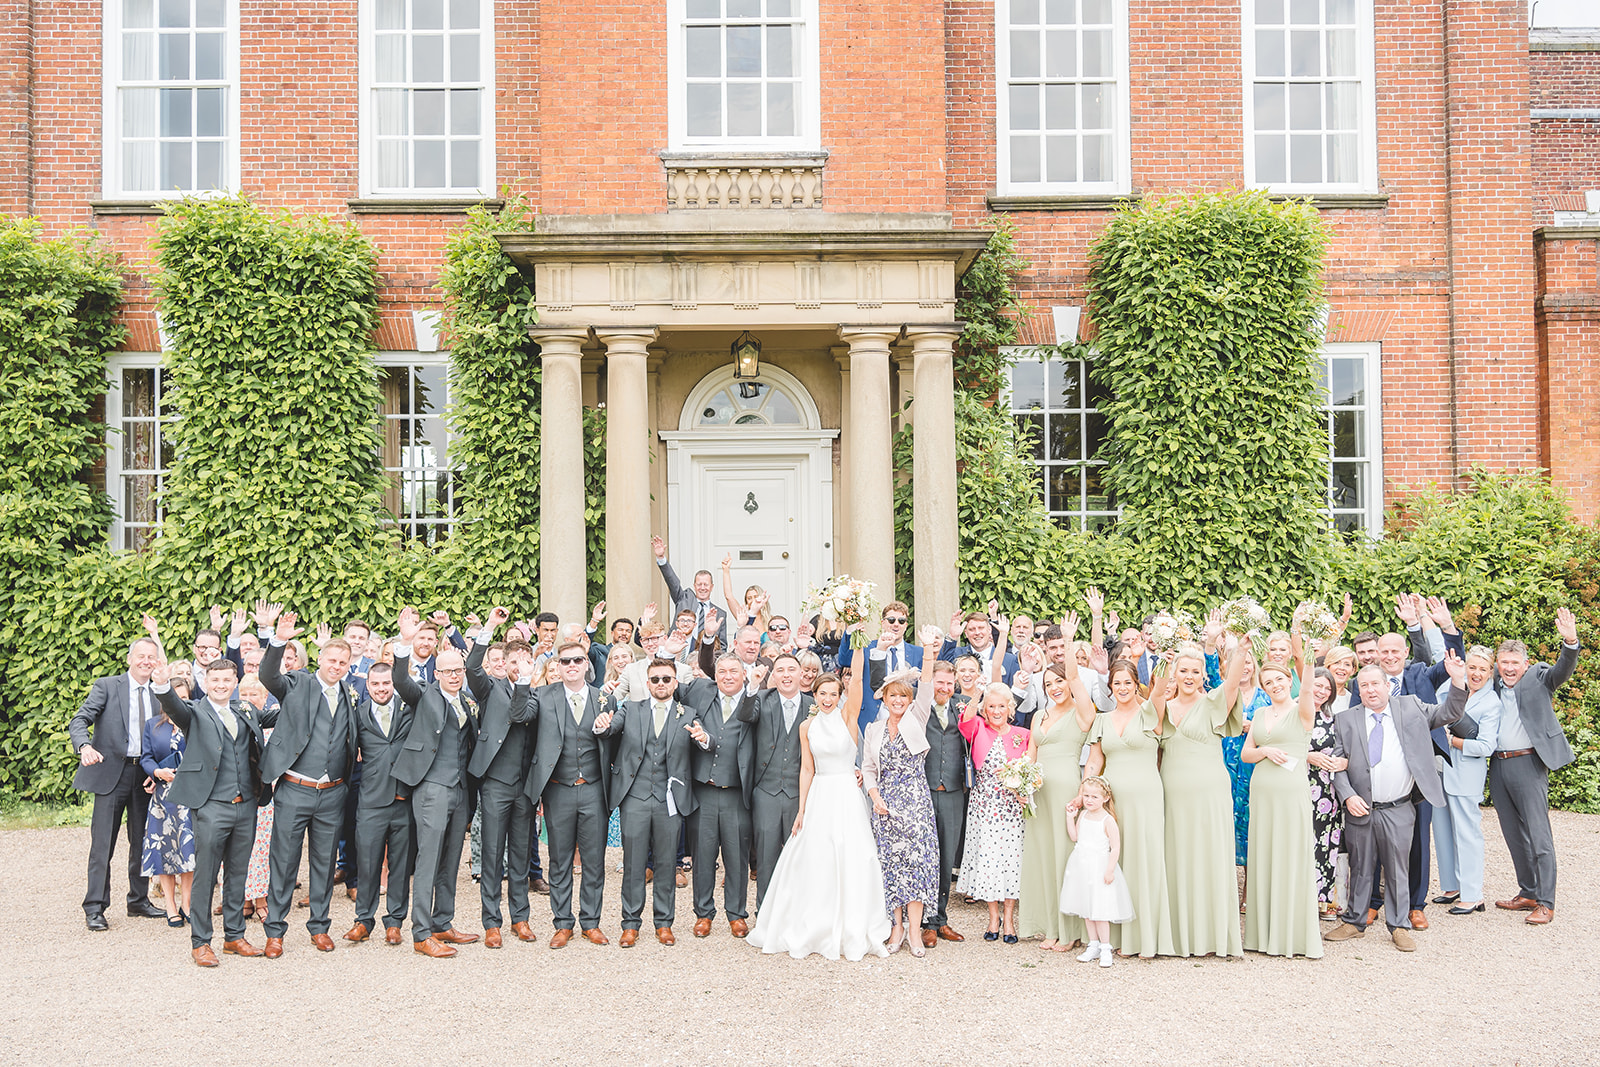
(1202, 881)
(1137, 796)
(1280, 917)
(1045, 844)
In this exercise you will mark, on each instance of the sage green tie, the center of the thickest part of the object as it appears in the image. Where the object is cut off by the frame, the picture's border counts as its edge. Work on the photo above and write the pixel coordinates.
(660, 718)
(942, 711)
(384, 718)
(576, 700)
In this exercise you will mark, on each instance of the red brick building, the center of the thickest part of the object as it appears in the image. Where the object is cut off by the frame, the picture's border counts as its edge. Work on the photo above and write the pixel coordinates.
(818, 173)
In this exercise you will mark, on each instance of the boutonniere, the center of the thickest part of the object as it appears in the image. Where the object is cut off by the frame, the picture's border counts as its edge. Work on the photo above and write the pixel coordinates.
(351, 690)
(677, 711)
(468, 703)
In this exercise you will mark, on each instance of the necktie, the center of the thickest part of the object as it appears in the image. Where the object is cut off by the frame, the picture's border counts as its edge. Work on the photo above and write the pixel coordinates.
(788, 714)
(727, 707)
(1394, 687)
(894, 660)
(229, 723)
(576, 700)
(461, 715)
(942, 710)
(383, 718)
(330, 698)
(1375, 740)
(660, 717)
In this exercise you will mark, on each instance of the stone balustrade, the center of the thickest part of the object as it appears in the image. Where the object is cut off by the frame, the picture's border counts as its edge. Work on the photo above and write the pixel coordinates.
(738, 183)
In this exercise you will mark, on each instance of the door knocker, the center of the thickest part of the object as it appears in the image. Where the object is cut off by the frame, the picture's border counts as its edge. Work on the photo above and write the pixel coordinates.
(750, 505)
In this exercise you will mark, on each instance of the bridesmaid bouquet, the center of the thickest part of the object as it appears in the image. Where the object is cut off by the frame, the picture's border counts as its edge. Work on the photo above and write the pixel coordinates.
(1171, 630)
(844, 599)
(1316, 620)
(1243, 617)
(1023, 777)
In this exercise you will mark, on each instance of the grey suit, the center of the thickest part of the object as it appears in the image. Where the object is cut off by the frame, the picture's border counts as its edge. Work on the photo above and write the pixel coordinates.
(949, 767)
(501, 759)
(685, 600)
(1382, 838)
(221, 793)
(383, 815)
(648, 769)
(117, 783)
(721, 820)
(433, 762)
(773, 788)
(571, 774)
(1520, 785)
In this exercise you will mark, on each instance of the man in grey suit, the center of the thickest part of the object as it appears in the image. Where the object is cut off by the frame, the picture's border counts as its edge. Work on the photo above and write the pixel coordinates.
(1530, 745)
(219, 781)
(310, 753)
(650, 783)
(433, 762)
(697, 598)
(721, 819)
(773, 717)
(572, 775)
(383, 810)
(1386, 740)
(949, 767)
(107, 733)
(501, 759)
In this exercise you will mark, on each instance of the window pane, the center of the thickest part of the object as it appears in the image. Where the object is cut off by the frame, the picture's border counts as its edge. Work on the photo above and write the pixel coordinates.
(177, 165)
(429, 385)
(391, 15)
(428, 112)
(1024, 54)
(174, 53)
(1025, 159)
(464, 164)
(1060, 107)
(208, 57)
(1344, 156)
(138, 57)
(780, 7)
(208, 165)
(463, 57)
(392, 172)
(1349, 388)
(463, 14)
(138, 446)
(1066, 437)
(1269, 12)
(1271, 162)
(744, 51)
(1096, 496)
(1305, 106)
(1269, 54)
(744, 109)
(1060, 12)
(1094, 434)
(208, 112)
(138, 13)
(140, 169)
(1097, 157)
(703, 51)
(1096, 107)
(780, 409)
(427, 58)
(175, 13)
(140, 108)
(780, 52)
(1061, 159)
(1061, 53)
(1066, 386)
(704, 9)
(1305, 53)
(1027, 385)
(390, 56)
(1031, 431)
(740, 9)
(1341, 12)
(427, 14)
(1349, 488)
(1304, 12)
(1097, 12)
(389, 112)
(1342, 52)
(1342, 113)
(176, 117)
(780, 110)
(1066, 488)
(464, 112)
(1305, 158)
(1097, 53)
(428, 164)
(1349, 434)
(705, 110)
(1269, 106)
(1024, 107)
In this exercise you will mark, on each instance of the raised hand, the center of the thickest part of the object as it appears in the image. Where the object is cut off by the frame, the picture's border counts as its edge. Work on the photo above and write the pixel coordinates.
(698, 732)
(266, 613)
(931, 637)
(286, 630)
(956, 624)
(1031, 659)
(497, 618)
(758, 674)
(804, 633)
(673, 643)
(1213, 628)
(1405, 609)
(648, 614)
(408, 625)
(238, 624)
(597, 614)
(1097, 601)
(1349, 607)
(1456, 667)
(151, 627)
(1439, 612)
(1567, 626)
(216, 617)
(1069, 625)
(760, 602)
(602, 721)
(1099, 658)
(440, 619)
(324, 634)
(727, 561)
(658, 548)
(1113, 623)
(162, 674)
(994, 611)
(713, 624)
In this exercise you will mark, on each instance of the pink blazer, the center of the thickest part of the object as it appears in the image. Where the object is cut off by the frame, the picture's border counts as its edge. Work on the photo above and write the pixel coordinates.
(980, 737)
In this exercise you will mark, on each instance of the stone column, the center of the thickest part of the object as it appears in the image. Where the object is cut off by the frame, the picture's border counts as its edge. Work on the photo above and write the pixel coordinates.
(934, 522)
(628, 560)
(562, 558)
(844, 561)
(871, 474)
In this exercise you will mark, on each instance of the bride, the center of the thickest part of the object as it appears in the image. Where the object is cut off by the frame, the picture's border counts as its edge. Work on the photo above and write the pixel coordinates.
(826, 894)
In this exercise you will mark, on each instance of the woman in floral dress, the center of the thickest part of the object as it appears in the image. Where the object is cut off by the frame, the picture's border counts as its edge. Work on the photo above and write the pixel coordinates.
(1327, 819)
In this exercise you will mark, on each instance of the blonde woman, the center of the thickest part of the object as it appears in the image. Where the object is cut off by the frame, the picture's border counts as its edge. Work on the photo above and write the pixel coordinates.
(752, 610)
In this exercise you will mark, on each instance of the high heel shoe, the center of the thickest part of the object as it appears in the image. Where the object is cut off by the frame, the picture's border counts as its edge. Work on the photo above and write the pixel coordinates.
(1459, 910)
(1447, 898)
(917, 950)
(1010, 939)
(175, 920)
(991, 935)
(895, 941)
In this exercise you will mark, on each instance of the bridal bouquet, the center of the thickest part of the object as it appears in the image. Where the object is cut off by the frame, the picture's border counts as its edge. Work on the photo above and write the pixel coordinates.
(1171, 630)
(1245, 618)
(1317, 621)
(844, 599)
(1023, 777)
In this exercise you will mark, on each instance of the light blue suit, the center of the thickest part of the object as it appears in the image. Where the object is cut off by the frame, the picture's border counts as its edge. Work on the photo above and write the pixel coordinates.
(1459, 839)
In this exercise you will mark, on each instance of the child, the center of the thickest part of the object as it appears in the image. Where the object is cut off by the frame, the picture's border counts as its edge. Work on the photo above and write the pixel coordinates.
(1094, 886)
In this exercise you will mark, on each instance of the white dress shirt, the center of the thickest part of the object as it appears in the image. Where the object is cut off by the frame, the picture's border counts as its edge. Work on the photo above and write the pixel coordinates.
(136, 715)
(1391, 778)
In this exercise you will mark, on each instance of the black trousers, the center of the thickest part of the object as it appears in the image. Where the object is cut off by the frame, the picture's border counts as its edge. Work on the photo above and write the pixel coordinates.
(127, 801)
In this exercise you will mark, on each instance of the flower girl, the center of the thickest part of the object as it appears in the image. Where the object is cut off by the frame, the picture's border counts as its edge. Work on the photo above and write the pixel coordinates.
(1094, 886)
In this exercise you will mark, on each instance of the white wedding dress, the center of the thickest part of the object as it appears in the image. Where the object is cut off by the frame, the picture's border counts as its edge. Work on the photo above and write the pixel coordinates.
(826, 893)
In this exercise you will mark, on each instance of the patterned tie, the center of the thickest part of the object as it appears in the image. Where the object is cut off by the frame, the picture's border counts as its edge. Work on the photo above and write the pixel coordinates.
(383, 718)
(1394, 687)
(576, 700)
(788, 715)
(1375, 740)
(660, 717)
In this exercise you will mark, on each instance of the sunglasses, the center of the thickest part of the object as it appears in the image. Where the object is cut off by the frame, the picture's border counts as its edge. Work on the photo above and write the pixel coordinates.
(778, 626)
(572, 659)
(898, 619)
(662, 678)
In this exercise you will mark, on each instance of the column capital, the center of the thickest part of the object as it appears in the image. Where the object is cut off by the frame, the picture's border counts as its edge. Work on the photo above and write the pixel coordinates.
(559, 340)
(869, 337)
(925, 332)
(629, 339)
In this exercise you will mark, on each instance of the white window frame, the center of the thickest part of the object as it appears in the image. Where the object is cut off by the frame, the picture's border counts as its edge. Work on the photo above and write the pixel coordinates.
(1121, 148)
(1366, 43)
(116, 363)
(808, 102)
(1371, 352)
(450, 523)
(367, 21)
(1081, 514)
(111, 111)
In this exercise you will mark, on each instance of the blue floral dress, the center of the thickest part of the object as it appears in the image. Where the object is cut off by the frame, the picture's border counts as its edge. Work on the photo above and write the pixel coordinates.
(1327, 819)
(168, 845)
(1239, 773)
(908, 844)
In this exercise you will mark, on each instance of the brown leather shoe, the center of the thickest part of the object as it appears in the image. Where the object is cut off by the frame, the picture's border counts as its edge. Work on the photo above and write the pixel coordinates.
(391, 935)
(435, 948)
(683, 878)
(304, 901)
(947, 933)
(596, 937)
(350, 891)
(1373, 915)
(738, 927)
(629, 938)
(340, 876)
(274, 948)
(491, 937)
(241, 947)
(539, 885)
(664, 935)
(1516, 904)
(204, 956)
(930, 938)
(1540, 916)
(702, 928)
(1419, 921)
(453, 936)
(358, 933)
(649, 875)
(560, 938)
(524, 932)
(1402, 939)
(323, 942)
(1344, 932)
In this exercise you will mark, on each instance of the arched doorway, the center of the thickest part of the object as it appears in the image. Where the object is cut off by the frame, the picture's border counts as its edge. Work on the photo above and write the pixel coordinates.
(750, 474)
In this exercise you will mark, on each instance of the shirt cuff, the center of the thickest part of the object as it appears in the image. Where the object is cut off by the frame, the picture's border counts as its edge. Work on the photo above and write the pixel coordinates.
(277, 643)
(159, 689)
(400, 650)
(877, 653)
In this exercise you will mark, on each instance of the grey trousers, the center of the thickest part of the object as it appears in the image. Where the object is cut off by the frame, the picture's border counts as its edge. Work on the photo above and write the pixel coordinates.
(1520, 787)
(575, 817)
(224, 835)
(646, 824)
(440, 813)
(507, 835)
(949, 818)
(772, 819)
(720, 822)
(380, 830)
(302, 817)
(1381, 841)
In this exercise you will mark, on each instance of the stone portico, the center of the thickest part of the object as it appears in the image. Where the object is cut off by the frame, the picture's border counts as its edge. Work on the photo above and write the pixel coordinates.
(792, 474)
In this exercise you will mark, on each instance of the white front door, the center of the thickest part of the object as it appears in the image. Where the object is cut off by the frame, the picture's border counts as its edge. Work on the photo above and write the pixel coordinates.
(752, 508)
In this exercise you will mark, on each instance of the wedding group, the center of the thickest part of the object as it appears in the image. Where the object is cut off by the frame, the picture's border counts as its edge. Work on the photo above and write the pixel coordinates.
(1098, 795)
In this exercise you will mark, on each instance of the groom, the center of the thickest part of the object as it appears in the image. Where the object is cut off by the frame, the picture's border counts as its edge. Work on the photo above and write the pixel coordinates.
(772, 790)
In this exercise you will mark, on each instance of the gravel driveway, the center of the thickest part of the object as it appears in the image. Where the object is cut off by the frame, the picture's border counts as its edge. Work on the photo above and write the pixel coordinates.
(1480, 989)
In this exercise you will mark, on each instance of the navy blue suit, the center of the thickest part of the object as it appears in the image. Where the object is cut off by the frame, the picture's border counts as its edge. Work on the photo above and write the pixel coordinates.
(911, 657)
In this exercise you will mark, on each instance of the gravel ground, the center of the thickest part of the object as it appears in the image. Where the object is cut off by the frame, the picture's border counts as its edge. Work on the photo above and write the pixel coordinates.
(1480, 989)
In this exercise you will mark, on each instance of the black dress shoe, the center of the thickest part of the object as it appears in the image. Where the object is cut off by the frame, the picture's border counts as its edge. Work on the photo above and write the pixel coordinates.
(1447, 898)
(1459, 910)
(96, 921)
(146, 911)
